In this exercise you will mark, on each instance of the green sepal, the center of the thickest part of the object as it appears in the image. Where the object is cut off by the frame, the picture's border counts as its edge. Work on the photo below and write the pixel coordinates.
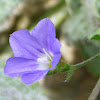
(70, 73)
(65, 68)
(55, 70)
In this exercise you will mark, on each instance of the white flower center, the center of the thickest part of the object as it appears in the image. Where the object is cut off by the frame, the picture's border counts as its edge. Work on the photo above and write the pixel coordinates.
(45, 60)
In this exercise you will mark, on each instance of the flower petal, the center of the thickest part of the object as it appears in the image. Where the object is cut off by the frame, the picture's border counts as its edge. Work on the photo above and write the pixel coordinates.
(15, 74)
(56, 46)
(29, 78)
(45, 33)
(16, 66)
(56, 52)
(24, 45)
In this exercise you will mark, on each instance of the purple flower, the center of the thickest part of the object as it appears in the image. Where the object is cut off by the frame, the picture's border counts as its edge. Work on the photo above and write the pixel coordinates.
(35, 53)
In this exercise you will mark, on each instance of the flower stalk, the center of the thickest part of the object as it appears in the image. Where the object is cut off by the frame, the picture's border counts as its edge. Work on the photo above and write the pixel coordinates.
(86, 61)
(72, 68)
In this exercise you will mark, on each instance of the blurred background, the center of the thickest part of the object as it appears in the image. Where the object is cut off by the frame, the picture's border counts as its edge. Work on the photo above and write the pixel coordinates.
(74, 21)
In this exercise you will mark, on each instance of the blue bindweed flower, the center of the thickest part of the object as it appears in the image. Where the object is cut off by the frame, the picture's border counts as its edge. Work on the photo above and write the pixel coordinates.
(35, 53)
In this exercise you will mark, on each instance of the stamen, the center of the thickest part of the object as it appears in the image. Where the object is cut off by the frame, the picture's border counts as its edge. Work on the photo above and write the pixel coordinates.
(47, 54)
(43, 61)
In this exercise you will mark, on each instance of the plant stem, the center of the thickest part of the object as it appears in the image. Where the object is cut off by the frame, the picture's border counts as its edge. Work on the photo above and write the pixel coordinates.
(86, 61)
(95, 91)
(73, 67)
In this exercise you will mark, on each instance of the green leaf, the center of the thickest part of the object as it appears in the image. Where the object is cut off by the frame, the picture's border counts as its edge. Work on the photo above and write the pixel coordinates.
(95, 36)
(71, 71)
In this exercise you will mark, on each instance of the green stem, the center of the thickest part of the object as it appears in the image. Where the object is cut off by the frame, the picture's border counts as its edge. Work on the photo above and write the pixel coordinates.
(68, 67)
(86, 61)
